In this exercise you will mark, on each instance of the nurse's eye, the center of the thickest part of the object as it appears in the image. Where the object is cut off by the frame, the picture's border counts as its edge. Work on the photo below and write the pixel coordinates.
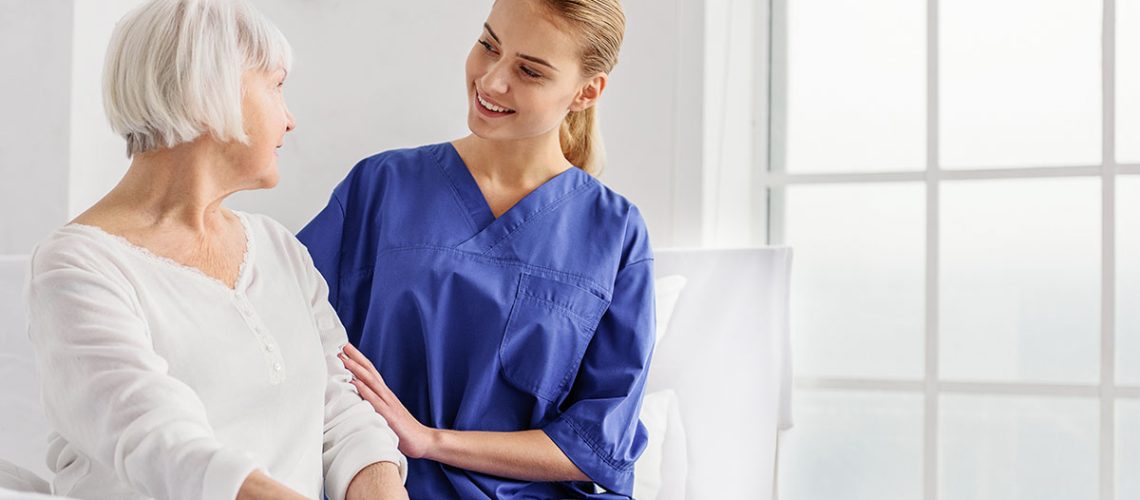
(530, 72)
(487, 46)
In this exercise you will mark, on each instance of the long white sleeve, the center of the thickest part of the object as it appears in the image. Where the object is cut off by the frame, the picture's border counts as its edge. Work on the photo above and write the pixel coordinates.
(162, 382)
(355, 436)
(108, 393)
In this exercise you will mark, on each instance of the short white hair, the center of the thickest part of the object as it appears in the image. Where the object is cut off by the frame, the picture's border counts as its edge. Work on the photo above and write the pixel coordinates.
(174, 70)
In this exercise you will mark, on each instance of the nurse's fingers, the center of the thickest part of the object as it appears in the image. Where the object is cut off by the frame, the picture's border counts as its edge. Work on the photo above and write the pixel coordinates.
(380, 381)
(357, 369)
(368, 395)
(370, 377)
(367, 371)
(358, 356)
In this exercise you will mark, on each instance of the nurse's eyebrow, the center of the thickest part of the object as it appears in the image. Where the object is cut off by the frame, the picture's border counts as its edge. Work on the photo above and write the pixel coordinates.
(492, 32)
(536, 60)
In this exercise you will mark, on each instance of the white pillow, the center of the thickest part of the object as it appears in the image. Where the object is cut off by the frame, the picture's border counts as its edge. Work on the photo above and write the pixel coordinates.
(667, 291)
(6, 494)
(19, 483)
(661, 471)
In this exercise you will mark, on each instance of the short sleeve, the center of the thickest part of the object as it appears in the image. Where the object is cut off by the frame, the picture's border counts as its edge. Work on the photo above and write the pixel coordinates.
(599, 430)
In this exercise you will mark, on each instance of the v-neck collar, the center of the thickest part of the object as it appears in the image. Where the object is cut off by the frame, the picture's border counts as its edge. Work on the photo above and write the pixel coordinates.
(490, 231)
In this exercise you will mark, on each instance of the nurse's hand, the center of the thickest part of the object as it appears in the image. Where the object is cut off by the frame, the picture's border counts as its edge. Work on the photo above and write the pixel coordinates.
(416, 439)
(529, 455)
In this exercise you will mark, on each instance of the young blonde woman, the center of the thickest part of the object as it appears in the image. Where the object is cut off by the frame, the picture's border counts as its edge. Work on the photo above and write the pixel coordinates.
(188, 351)
(501, 297)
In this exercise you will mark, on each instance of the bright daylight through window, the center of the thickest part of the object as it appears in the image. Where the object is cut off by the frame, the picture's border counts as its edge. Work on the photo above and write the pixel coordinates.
(960, 180)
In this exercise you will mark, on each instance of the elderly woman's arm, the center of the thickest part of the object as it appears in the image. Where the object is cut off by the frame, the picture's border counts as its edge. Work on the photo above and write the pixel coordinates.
(107, 392)
(361, 458)
(379, 480)
(259, 486)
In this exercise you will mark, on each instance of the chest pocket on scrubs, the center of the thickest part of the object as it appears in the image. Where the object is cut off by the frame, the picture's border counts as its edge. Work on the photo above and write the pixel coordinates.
(549, 327)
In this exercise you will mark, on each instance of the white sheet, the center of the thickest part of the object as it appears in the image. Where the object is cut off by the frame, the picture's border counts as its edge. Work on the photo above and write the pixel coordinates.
(727, 358)
(14, 479)
(6, 494)
(23, 429)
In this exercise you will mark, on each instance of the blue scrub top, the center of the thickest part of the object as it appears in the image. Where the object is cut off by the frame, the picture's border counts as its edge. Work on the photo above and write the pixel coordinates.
(542, 318)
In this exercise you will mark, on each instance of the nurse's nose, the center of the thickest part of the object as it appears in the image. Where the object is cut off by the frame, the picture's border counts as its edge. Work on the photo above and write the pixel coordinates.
(494, 81)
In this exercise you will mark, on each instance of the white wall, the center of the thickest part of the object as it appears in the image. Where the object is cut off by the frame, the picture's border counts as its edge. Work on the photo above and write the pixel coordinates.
(98, 156)
(375, 75)
(652, 118)
(35, 48)
(368, 76)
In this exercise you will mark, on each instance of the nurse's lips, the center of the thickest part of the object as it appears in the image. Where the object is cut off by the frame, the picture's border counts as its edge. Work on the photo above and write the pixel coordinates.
(490, 108)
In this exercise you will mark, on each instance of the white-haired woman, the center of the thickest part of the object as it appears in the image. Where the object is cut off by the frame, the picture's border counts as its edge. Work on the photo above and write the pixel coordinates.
(187, 350)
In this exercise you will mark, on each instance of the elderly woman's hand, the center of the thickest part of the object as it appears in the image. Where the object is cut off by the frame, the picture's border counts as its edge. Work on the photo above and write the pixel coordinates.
(416, 439)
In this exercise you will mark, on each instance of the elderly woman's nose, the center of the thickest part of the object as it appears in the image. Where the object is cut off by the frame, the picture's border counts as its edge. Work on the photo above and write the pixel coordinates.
(291, 123)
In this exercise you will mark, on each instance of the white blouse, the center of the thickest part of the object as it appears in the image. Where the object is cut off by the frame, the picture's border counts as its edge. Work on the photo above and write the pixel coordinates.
(162, 382)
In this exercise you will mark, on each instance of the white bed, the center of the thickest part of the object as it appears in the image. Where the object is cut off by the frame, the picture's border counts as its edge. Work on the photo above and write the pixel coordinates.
(718, 391)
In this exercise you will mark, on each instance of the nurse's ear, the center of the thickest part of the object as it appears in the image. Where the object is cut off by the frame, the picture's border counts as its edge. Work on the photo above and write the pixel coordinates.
(589, 93)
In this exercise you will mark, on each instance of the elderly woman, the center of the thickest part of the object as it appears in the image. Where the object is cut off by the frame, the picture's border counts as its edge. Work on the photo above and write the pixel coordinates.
(187, 350)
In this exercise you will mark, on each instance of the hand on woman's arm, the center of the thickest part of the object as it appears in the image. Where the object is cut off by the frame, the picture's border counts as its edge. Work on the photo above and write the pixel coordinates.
(526, 455)
(360, 454)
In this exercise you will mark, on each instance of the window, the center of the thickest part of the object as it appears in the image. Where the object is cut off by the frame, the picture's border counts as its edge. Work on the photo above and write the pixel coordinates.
(961, 183)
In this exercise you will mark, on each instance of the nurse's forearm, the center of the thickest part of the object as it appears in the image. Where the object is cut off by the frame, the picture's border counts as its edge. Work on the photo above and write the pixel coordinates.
(526, 455)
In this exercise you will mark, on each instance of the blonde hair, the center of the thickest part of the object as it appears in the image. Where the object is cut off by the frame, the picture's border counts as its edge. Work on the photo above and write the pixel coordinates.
(174, 70)
(600, 25)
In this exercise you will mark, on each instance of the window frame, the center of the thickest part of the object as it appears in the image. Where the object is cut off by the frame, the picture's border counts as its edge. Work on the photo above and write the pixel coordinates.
(773, 179)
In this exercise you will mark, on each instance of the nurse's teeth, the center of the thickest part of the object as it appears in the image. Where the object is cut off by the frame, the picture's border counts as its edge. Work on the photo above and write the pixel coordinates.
(490, 106)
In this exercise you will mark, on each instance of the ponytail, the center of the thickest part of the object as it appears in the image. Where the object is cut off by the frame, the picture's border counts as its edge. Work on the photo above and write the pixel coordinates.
(582, 141)
(599, 26)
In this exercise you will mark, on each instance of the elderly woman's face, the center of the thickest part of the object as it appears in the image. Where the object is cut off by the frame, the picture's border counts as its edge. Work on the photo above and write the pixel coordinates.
(267, 119)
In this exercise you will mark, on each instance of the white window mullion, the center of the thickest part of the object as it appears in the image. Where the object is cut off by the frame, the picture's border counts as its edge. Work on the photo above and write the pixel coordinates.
(1107, 340)
(777, 120)
(930, 407)
(1108, 255)
(777, 179)
(978, 388)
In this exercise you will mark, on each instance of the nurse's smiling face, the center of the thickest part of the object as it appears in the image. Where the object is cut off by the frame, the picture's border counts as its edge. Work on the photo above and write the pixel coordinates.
(524, 74)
